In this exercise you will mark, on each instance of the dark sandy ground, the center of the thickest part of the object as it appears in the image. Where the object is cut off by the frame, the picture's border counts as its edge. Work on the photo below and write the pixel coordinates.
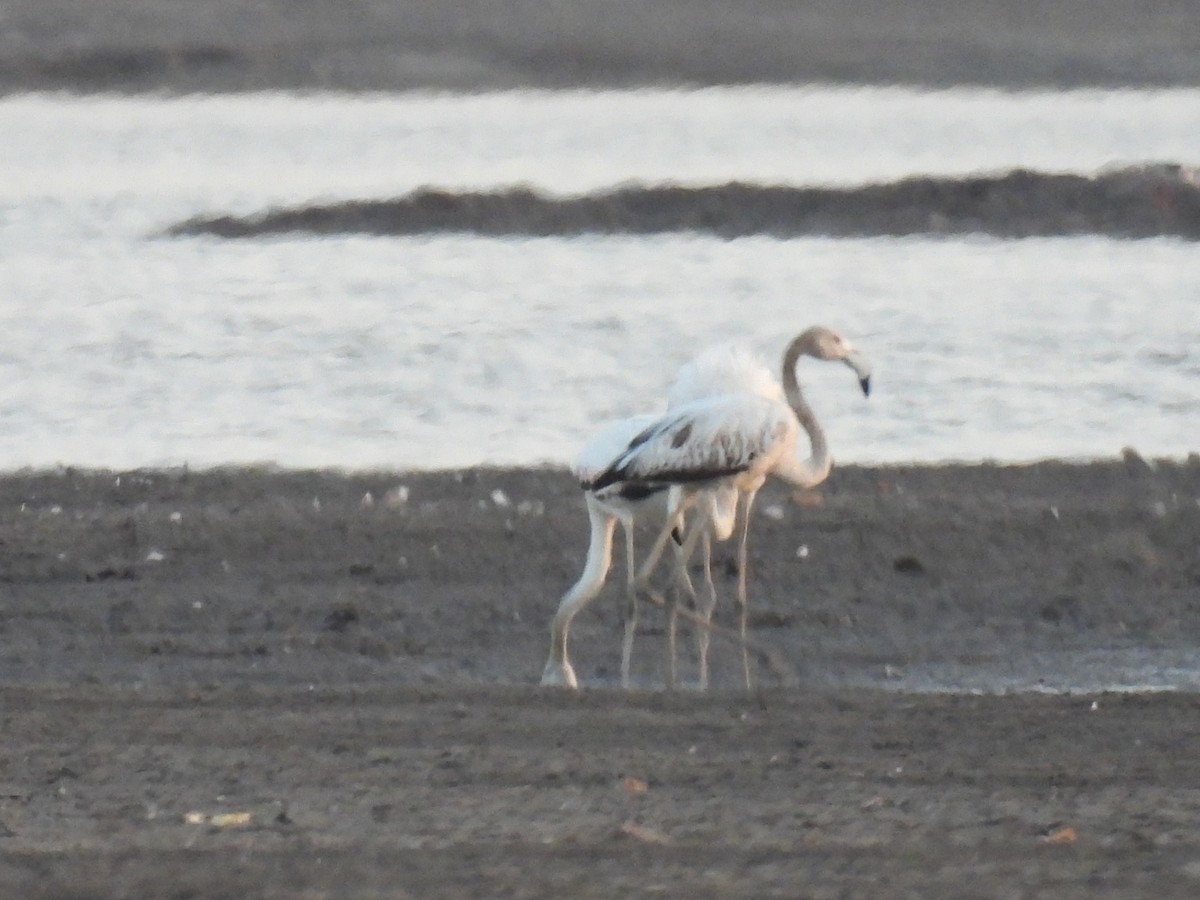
(355, 683)
(1145, 201)
(206, 45)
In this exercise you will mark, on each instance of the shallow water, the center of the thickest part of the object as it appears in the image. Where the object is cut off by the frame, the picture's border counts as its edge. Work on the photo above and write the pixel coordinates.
(1128, 669)
(119, 347)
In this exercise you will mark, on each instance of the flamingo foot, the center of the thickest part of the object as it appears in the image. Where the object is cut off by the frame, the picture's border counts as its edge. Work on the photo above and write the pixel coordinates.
(559, 674)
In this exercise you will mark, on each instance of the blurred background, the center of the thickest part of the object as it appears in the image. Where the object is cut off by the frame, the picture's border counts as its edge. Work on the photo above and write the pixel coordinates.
(122, 346)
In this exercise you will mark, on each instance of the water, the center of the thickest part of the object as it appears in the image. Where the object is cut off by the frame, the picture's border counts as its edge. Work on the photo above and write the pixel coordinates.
(1130, 669)
(121, 348)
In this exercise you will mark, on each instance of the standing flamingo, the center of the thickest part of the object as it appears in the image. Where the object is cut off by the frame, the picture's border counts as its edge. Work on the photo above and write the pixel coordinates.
(731, 426)
(614, 503)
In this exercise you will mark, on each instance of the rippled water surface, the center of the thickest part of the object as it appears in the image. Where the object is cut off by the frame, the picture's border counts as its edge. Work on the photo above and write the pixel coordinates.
(119, 347)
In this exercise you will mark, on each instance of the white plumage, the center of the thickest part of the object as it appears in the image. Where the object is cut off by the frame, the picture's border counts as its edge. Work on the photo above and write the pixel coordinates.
(728, 426)
(612, 504)
(704, 441)
(607, 444)
(723, 369)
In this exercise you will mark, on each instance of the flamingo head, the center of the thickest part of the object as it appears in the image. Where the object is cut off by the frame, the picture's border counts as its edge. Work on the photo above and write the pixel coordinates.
(827, 344)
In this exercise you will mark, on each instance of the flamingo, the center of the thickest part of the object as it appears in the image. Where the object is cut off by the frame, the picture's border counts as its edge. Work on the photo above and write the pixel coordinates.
(615, 503)
(730, 425)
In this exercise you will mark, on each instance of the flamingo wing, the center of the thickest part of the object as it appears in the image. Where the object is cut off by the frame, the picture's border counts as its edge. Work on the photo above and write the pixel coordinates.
(597, 455)
(700, 441)
(609, 442)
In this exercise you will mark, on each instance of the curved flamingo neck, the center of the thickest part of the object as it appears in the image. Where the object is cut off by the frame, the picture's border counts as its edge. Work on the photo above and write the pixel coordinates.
(815, 469)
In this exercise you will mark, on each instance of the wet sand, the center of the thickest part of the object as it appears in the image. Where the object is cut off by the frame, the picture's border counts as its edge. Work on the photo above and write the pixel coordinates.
(1139, 202)
(219, 45)
(352, 683)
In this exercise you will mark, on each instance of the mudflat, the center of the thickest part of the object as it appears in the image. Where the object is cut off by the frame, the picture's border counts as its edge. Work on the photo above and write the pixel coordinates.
(221, 45)
(249, 682)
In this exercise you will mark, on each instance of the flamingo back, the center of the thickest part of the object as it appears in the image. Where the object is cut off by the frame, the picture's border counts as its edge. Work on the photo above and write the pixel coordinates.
(724, 369)
(606, 445)
(706, 440)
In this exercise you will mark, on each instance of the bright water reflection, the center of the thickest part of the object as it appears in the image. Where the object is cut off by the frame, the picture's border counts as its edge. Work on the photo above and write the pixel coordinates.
(119, 348)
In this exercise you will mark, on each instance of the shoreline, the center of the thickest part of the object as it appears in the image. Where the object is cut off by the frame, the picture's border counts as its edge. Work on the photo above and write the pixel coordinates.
(1128, 456)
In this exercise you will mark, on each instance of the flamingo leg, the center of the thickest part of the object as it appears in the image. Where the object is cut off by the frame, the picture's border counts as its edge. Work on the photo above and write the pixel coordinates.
(631, 606)
(558, 669)
(743, 558)
(683, 584)
(710, 603)
(672, 627)
(642, 582)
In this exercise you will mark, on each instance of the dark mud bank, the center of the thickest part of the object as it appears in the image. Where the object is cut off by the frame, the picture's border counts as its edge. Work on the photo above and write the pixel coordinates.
(1136, 202)
(218, 45)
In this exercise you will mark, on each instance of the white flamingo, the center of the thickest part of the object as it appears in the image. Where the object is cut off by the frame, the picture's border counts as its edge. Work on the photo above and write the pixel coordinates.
(730, 427)
(616, 503)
